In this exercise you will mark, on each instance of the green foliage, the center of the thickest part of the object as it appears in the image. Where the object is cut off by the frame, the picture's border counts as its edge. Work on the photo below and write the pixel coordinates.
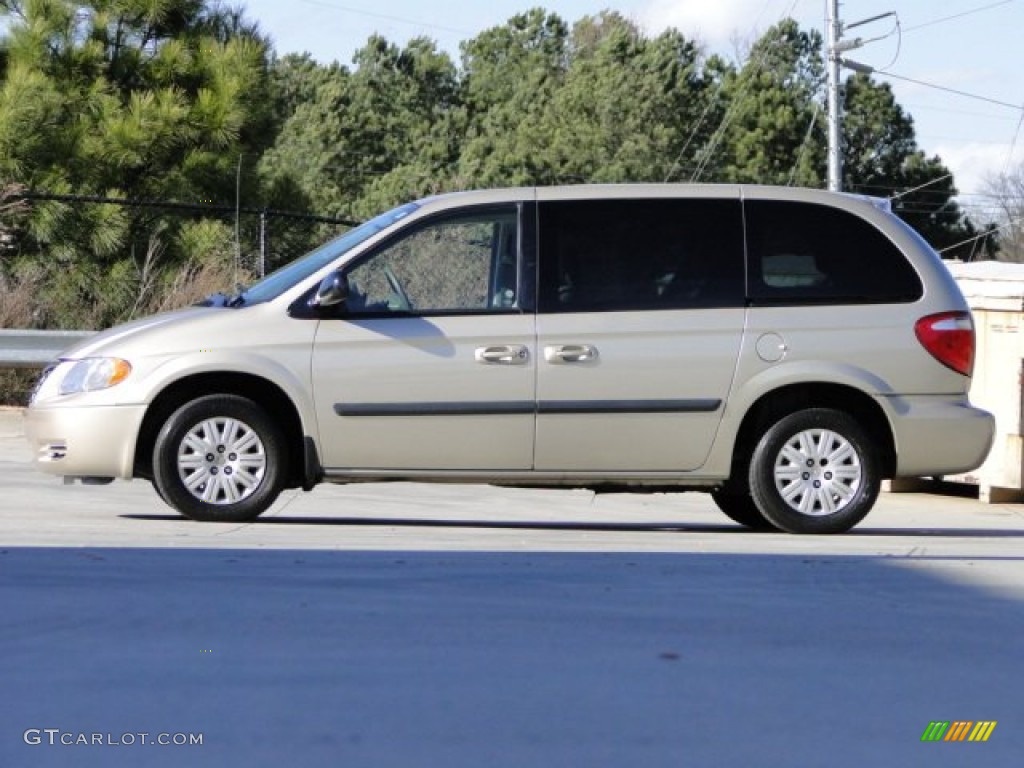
(212, 240)
(618, 113)
(510, 75)
(118, 91)
(183, 100)
(392, 115)
(128, 99)
(774, 101)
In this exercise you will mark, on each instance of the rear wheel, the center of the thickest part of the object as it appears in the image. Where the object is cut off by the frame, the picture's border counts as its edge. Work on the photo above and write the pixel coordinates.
(815, 471)
(219, 458)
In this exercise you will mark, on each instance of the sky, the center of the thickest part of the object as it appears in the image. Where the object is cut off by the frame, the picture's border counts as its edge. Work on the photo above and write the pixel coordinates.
(971, 46)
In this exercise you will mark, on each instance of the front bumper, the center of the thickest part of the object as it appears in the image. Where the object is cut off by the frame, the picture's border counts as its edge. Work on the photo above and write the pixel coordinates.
(939, 435)
(84, 441)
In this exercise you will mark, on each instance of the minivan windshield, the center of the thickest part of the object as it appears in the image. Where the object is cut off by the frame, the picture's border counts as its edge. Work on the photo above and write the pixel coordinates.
(279, 281)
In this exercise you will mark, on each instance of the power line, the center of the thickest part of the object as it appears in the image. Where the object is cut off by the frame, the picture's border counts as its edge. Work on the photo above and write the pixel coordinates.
(947, 110)
(865, 69)
(712, 101)
(953, 90)
(1013, 144)
(921, 186)
(386, 17)
(957, 15)
(982, 236)
(705, 154)
(734, 110)
(926, 137)
(804, 143)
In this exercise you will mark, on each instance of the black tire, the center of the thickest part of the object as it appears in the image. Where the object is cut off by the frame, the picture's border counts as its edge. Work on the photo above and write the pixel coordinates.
(222, 485)
(740, 508)
(815, 471)
(160, 493)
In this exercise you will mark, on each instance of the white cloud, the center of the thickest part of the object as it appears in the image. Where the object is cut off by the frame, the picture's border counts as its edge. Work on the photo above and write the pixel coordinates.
(715, 22)
(973, 163)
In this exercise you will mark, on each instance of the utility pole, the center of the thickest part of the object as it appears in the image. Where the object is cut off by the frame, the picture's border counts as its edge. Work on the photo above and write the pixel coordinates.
(835, 158)
(836, 47)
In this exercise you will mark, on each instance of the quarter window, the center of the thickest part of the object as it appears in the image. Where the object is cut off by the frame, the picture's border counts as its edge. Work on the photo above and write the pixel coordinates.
(458, 264)
(621, 255)
(806, 253)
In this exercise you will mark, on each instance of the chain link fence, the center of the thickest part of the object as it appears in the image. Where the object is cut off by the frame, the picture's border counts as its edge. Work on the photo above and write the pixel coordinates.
(264, 238)
(256, 240)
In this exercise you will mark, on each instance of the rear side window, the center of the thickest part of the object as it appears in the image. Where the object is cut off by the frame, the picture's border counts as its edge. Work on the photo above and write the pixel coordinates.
(621, 255)
(805, 253)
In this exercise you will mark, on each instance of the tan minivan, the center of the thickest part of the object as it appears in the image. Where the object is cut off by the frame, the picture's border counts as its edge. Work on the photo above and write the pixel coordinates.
(783, 349)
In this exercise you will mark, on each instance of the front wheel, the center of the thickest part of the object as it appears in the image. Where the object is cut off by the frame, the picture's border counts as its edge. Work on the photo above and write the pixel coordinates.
(219, 458)
(815, 471)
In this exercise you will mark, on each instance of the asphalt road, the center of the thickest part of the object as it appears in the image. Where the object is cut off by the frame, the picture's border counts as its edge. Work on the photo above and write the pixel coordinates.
(412, 625)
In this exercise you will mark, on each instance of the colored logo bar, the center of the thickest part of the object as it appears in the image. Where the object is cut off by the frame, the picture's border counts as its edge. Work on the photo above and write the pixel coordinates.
(959, 730)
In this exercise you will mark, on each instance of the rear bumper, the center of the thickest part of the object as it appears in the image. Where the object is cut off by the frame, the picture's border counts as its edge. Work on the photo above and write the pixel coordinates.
(939, 435)
(84, 441)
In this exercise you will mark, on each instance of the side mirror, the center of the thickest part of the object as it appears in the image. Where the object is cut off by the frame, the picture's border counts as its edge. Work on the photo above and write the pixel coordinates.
(333, 291)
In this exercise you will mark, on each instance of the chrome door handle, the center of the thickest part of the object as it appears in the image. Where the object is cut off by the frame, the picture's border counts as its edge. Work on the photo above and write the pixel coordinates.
(509, 354)
(570, 353)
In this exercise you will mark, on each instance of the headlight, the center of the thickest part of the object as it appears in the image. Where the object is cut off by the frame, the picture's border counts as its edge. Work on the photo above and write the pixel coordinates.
(94, 373)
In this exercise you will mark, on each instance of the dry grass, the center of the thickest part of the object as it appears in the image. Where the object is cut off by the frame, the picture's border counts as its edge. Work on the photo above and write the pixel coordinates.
(21, 307)
(19, 301)
(16, 385)
(193, 282)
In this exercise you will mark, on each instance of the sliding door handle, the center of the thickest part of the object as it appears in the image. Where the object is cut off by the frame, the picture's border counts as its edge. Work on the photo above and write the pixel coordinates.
(507, 354)
(560, 354)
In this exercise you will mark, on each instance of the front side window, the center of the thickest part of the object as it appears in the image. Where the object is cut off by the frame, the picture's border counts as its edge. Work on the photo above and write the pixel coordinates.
(814, 254)
(276, 283)
(461, 263)
(625, 255)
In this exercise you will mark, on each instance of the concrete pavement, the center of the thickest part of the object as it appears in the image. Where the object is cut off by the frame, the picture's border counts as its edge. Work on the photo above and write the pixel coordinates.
(403, 624)
(38, 510)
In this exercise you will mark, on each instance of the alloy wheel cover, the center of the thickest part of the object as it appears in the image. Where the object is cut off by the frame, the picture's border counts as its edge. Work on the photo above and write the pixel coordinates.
(817, 472)
(221, 461)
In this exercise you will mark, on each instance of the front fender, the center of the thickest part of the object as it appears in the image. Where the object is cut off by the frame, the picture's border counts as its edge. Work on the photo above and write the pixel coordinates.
(288, 370)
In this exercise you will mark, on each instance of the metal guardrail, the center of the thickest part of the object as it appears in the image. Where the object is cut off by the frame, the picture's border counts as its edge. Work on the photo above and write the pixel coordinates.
(35, 349)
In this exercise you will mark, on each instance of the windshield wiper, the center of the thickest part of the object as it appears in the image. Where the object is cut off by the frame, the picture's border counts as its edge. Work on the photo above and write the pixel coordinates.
(213, 300)
(221, 299)
(239, 298)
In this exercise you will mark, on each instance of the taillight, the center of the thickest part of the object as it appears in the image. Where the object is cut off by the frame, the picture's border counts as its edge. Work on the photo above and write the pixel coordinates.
(949, 337)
